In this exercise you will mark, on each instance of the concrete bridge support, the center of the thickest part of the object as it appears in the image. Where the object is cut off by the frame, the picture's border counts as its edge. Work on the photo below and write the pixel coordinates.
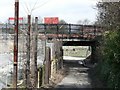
(47, 66)
(56, 57)
(93, 53)
(53, 61)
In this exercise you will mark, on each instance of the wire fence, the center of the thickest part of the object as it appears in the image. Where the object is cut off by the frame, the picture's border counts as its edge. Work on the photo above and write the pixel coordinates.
(7, 53)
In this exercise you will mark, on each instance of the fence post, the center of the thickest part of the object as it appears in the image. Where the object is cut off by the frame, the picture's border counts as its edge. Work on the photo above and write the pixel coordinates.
(40, 76)
(27, 61)
(15, 67)
(47, 66)
(34, 56)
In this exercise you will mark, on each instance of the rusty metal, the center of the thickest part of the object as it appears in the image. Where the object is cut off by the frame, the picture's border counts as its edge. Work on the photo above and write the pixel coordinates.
(70, 31)
(16, 44)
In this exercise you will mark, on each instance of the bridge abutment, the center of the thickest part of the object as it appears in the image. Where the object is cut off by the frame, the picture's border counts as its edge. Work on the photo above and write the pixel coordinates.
(53, 61)
(93, 54)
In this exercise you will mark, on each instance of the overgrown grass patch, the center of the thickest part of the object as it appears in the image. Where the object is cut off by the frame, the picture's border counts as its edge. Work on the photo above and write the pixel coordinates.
(76, 52)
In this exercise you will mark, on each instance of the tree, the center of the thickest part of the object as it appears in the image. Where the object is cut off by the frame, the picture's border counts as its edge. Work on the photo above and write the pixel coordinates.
(79, 22)
(108, 14)
(62, 27)
(109, 18)
(84, 22)
(62, 22)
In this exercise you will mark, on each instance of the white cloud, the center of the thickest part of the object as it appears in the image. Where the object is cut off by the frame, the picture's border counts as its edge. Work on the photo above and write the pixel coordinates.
(69, 10)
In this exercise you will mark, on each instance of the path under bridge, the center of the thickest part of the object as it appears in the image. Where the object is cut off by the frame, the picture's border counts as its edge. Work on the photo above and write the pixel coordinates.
(59, 35)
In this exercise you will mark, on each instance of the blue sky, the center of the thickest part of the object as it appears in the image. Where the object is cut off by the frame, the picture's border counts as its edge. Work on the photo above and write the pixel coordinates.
(70, 10)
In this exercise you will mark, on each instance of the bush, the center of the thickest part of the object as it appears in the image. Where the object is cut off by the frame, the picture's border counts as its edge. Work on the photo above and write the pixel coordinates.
(109, 66)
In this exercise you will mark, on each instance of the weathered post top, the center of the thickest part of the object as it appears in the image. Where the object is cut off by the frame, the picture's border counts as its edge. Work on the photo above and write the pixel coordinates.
(16, 0)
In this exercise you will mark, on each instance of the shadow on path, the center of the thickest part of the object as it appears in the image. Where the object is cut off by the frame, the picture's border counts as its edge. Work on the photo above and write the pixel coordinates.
(77, 77)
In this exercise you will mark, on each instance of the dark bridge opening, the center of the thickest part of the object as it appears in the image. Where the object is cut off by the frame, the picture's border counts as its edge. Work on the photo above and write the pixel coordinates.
(76, 50)
(79, 43)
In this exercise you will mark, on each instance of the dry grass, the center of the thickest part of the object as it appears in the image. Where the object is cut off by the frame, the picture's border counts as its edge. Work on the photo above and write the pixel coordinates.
(57, 78)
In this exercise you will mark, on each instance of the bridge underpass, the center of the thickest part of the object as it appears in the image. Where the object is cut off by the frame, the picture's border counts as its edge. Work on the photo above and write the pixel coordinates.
(71, 37)
(90, 43)
(76, 68)
(75, 65)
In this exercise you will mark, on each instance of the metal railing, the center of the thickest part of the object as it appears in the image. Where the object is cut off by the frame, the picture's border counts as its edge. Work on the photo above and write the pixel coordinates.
(60, 31)
(70, 31)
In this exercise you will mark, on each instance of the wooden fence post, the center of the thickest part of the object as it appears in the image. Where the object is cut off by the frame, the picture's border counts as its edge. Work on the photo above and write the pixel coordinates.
(33, 68)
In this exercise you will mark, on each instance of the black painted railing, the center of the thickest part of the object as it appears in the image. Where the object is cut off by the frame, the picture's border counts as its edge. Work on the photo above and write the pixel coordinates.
(70, 30)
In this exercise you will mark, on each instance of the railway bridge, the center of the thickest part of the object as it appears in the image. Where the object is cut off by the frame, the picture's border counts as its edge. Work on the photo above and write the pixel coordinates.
(67, 35)
(72, 34)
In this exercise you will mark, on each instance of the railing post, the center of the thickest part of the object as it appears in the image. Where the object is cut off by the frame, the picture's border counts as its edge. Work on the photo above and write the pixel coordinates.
(82, 31)
(6, 30)
(45, 29)
(69, 31)
(94, 31)
(57, 31)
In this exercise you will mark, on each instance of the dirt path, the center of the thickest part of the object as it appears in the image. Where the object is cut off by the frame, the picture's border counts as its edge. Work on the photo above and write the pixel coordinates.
(77, 76)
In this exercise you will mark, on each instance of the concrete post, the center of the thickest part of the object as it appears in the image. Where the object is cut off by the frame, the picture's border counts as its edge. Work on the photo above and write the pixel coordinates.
(47, 66)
